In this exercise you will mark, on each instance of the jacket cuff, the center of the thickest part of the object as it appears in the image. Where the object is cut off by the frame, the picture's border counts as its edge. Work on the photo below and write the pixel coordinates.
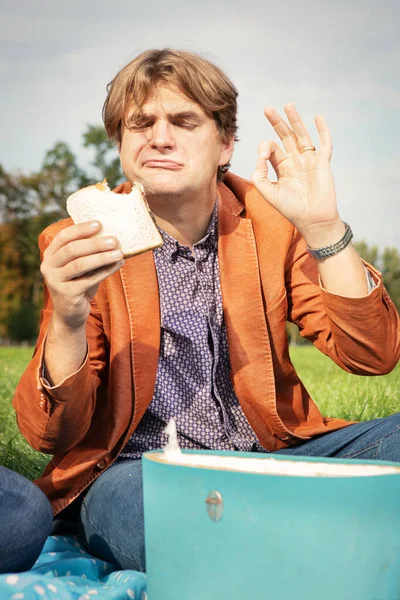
(371, 302)
(374, 281)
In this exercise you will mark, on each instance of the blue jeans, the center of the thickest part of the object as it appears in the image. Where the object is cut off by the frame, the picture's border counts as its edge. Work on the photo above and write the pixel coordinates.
(25, 522)
(111, 517)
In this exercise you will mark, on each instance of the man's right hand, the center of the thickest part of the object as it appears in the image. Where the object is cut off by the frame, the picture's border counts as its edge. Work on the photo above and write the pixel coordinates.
(73, 266)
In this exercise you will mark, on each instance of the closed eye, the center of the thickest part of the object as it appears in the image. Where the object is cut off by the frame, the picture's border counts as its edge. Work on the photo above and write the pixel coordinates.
(186, 120)
(184, 124)
(139, 123)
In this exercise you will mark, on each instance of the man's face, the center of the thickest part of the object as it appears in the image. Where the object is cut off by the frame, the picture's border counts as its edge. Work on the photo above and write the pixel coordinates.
(172, 147)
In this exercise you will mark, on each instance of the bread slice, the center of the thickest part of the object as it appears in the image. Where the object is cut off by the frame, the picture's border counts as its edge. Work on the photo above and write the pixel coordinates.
(124, 216)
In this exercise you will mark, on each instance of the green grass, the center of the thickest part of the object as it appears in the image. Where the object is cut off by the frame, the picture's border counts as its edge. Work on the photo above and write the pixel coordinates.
(337, 394)
(340, 394)
(15, 453)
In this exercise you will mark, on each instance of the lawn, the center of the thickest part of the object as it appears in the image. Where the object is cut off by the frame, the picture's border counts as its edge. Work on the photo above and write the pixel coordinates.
(337, 394)
(15, 453)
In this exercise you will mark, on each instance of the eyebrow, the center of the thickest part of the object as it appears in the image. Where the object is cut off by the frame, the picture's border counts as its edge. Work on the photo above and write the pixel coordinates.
(185, 115)
(189, 115)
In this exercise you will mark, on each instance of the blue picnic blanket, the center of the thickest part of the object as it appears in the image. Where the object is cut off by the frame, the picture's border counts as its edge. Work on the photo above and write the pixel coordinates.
(65, 571)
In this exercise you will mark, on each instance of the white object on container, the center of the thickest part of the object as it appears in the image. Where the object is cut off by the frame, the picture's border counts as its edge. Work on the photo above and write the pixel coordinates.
(171, 450)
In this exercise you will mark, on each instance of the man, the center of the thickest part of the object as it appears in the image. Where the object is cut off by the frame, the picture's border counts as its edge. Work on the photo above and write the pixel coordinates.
(196, 329)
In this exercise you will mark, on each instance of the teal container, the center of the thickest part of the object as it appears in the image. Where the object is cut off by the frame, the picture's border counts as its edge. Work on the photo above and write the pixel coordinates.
(221, 534)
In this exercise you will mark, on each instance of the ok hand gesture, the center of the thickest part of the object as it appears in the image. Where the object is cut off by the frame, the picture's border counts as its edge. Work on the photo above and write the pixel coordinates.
(304, 192)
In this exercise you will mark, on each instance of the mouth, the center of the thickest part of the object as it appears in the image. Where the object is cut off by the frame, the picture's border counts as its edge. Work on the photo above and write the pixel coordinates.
(162, 164)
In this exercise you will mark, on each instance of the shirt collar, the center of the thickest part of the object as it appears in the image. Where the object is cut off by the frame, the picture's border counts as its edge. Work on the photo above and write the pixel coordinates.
(171, 246)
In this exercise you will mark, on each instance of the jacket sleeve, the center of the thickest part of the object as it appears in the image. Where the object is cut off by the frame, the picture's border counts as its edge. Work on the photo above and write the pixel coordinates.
(54, 419)
(360, 334)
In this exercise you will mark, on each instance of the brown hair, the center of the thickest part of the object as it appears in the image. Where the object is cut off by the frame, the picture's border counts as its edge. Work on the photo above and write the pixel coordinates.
(199, 79)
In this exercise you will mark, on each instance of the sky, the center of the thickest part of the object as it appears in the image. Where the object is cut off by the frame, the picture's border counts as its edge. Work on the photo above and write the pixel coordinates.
(341, 59)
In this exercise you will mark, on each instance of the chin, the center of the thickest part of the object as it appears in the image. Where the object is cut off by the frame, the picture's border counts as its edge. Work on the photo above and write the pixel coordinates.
(161, 185)
(167, 191)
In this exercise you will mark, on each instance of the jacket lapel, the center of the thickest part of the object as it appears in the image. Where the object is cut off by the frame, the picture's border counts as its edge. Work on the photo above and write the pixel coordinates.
(139, 280)
(244, 314)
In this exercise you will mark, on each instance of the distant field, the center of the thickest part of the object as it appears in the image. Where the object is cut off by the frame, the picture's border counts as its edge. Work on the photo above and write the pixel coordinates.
(337, 394)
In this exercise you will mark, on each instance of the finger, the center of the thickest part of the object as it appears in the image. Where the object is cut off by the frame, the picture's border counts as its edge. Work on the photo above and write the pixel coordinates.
(260, 175)
(90, 280)
(300, 131)
(71, 233)
(282, 129)
(83, 265)
(273, 152)
(81, 248)
(325, 140)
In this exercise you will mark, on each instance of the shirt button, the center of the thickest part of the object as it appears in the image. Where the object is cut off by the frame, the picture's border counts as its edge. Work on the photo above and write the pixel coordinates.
(200, 267)
(102, 464)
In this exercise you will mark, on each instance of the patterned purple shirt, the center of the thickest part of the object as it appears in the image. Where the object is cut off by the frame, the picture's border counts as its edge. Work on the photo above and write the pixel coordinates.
(193, 381)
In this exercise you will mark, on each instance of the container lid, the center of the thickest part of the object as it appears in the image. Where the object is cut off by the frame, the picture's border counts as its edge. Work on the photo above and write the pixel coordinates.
(267, 465)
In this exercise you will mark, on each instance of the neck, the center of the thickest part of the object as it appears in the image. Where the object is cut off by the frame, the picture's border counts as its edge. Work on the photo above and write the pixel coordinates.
(184, 218)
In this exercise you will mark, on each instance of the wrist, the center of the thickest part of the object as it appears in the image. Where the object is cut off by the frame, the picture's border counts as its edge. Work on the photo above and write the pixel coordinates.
(64, 351)
(318, 236)
(65, 326)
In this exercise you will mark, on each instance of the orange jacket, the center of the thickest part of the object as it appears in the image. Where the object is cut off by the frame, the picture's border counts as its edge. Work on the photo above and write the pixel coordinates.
(267, 277)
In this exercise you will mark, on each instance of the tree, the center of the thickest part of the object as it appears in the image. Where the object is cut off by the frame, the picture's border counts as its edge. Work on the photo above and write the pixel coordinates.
(391, 274)
(57, 179)
(106, 158)
(368, 253)
(388, 263)
(15, 201)
(28, 203)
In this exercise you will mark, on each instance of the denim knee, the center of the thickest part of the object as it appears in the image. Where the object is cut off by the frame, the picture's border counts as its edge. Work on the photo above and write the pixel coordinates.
(380, 442)
(112, 522)
(25, 522)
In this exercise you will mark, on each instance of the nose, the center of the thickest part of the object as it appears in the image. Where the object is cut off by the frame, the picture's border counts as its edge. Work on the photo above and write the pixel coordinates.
(161, 135)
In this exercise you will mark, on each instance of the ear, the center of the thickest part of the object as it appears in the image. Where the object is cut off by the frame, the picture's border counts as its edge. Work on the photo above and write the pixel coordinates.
(226, 151)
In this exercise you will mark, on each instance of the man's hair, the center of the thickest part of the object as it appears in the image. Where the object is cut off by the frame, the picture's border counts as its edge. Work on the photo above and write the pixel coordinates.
(198, 78)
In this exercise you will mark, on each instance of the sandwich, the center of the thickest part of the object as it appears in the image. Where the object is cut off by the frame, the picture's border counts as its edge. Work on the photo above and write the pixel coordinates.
(124, 216)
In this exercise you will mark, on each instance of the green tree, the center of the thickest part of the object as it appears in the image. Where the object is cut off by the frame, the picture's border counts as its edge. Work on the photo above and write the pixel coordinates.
(388, 263)
(368, 253)
(57, 179)
(28, 203)
(391, 274)
(106, 157)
